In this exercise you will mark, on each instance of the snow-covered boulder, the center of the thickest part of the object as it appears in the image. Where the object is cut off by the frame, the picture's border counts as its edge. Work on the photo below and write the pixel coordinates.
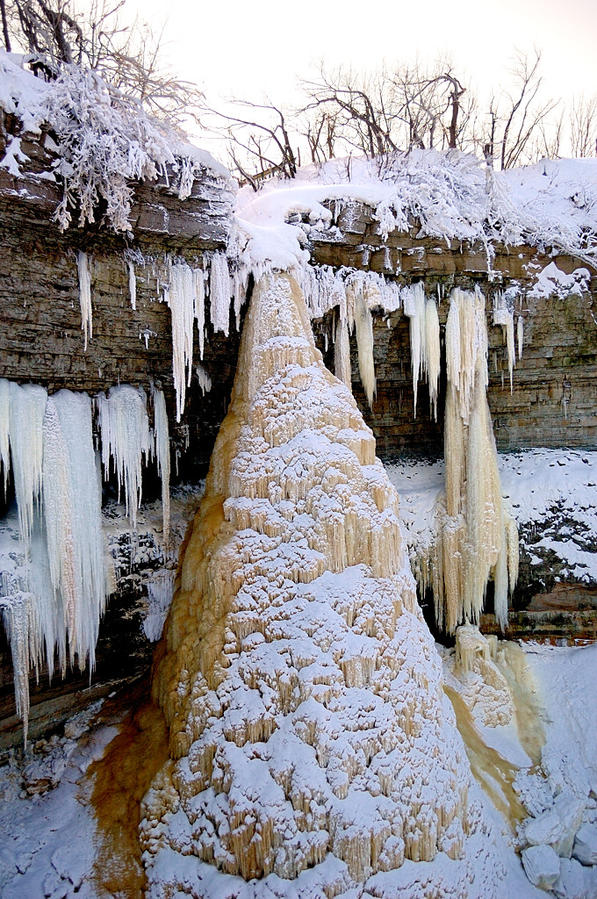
(585, 845)
(557, 826)
(572, 882)
(541, 865)
(569, 810)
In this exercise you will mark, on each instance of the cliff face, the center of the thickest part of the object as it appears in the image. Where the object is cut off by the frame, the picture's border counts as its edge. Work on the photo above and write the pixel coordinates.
(552, 403)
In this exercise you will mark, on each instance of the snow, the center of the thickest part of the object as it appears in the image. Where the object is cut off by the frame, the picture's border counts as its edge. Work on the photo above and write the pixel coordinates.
(552, 204)
(552, 281)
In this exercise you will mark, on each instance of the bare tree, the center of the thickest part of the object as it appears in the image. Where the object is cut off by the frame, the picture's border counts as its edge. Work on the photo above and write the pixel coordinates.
(260, 143)
(126, 56)
(515, 119)
(583, 126)
(360, 106)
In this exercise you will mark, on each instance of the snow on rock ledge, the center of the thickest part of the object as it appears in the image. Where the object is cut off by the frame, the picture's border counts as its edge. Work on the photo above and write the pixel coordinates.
(309, 733)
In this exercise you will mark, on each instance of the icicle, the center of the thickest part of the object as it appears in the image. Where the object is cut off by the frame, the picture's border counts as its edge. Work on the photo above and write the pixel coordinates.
(432, 355)
(27, 407)
(199, 307)
(414, 308)
(161, 438)
(17, 612)
(132, 284)
(220, 292)
(520, 335)
(126, 438)
(181, 298)
(240, 280)
(204, 380)
(73, 526)
(364, 334)
(342, 353)
(85, 296)
(4, 429)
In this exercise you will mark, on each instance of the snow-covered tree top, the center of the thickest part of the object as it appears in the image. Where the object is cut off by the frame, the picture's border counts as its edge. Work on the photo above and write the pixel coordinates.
(102, 140)
(451, 195)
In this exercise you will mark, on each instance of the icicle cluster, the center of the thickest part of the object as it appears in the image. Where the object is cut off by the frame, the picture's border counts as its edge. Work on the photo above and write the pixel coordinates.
(59, 504)
(303, 693)
(354, 294)
(54, 610)
(477, 538)
(425, 351)
(185, 293)
(126, 439)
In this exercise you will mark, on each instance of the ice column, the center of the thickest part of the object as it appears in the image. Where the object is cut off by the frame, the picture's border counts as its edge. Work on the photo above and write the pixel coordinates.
(303, 693)
(477, 538)
(4, 429)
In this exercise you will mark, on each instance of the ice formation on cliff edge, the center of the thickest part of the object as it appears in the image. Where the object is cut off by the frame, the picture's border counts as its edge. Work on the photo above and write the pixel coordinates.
(476, 538)
(302, 689)
(53, 608)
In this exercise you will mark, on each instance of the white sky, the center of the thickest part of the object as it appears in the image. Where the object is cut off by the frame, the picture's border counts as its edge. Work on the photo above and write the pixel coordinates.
(262, 48)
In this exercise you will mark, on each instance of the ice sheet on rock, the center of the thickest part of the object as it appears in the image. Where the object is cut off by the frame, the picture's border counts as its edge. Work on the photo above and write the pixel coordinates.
(160, 589)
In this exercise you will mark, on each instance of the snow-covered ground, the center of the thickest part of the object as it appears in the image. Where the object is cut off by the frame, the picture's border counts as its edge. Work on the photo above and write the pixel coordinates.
(552, 494)
(50, 831)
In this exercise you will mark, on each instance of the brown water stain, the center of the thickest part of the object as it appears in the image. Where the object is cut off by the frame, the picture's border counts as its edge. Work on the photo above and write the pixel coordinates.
(495, 773)
(120, 780)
